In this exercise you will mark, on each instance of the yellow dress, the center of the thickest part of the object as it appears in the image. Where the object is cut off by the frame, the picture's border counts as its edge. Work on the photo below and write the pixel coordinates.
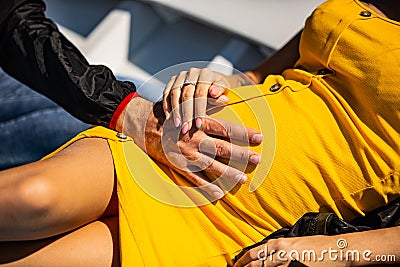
(335, 147)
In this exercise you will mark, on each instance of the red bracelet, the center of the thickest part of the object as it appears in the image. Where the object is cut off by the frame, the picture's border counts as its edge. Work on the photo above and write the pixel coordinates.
(120, 108)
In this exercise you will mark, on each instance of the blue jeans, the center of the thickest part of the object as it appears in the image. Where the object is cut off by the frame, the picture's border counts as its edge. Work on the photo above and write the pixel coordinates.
(31, 125)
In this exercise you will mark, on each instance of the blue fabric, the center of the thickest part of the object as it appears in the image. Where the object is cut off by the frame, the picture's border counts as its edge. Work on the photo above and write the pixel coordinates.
(31, 125)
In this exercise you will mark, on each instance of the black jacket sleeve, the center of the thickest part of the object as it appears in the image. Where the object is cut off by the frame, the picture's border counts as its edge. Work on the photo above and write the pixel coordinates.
(33, 50)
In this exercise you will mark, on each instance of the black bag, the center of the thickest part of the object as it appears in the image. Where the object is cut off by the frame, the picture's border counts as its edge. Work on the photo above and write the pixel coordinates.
(314, 223)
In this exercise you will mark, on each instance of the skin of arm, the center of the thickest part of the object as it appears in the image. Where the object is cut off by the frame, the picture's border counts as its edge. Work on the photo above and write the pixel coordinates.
(282, 59)
(357, 249)
(386, 8)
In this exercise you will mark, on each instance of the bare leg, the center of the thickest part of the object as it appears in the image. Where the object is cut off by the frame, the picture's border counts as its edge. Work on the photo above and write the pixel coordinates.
(95, 244)
(59, 194)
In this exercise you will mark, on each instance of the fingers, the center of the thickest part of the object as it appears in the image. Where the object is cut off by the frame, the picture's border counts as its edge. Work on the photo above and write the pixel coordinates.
(220, 101)
(232, 131)
(175, 96)
(166, 102)
(226, 150)
(205, 79)
(267, 254)
(249, 260)
(187, 98)
(213, 83)
(192, 165)
(230, 176)
(219, 85)
(193, 173)
(253, 257)
(197, 162)
(199, 180)
(191, 88)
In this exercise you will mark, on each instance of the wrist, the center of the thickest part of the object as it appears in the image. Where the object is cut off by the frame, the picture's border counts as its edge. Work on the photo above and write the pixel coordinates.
(253, 77)
(118, 116)
(239, 79)
(133, 118)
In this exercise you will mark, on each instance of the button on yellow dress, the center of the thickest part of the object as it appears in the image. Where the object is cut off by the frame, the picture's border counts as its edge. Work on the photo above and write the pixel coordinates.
(332, 143)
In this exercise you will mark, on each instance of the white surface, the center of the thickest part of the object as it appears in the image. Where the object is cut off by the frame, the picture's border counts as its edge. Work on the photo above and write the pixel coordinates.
(270, 22)
(108, 44)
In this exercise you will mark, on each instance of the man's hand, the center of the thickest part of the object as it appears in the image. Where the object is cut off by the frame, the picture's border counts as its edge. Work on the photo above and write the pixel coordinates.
(191, 154)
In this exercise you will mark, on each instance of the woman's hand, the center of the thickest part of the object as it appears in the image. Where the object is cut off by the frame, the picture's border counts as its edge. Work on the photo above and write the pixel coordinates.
(193, 153)
(278, 252)
(189, 90)
(353, 249)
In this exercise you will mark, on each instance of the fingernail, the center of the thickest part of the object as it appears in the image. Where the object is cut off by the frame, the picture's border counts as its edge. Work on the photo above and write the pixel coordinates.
(224, 99)
(198, 123)
(185, 128)
(257, 138)
(241, 178)
(256, 159)
(214, 90)
(167, 115)
(218, 194)
(177, 122)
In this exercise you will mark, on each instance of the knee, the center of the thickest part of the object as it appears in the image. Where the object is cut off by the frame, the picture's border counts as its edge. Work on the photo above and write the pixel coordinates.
(35, 197)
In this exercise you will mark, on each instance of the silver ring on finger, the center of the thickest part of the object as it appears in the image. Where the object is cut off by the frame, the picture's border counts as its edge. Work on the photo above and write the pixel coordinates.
(178, 87)
(188, 82)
